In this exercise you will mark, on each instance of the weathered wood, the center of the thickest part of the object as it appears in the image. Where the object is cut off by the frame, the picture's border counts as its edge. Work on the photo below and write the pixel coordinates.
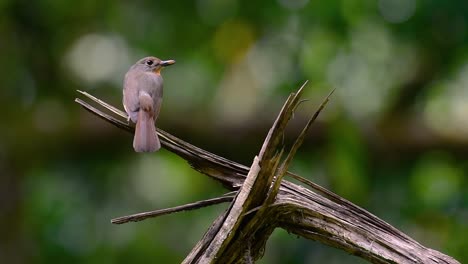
(232, 221)
(232, 242)
(186, 207)
(247, 225)
(314, 212)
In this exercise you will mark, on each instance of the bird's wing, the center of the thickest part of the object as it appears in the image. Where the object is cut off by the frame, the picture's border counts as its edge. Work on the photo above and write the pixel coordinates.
(130, 95)
(153, 85)
(130, 92)
(135, 84)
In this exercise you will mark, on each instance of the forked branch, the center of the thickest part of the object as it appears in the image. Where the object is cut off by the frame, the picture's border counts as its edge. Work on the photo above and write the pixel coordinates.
(264, 201)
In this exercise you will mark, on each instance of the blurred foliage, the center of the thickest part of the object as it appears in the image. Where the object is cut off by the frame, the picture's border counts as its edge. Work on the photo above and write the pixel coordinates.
(394, 139)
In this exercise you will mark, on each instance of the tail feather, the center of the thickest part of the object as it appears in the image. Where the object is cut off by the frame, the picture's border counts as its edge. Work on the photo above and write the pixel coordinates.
(146, 139)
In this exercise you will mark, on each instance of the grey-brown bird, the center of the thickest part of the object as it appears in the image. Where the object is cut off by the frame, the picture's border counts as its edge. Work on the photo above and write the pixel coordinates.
(142, 99)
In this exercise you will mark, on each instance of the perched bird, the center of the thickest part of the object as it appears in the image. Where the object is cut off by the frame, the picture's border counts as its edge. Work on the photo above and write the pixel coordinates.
(142, 99)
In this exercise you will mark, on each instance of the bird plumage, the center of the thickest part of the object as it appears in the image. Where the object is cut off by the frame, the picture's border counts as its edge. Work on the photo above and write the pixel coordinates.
(142, 99)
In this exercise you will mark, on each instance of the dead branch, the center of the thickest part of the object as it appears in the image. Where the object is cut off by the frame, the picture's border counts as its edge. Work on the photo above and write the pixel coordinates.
(186, 207)
(264, 201)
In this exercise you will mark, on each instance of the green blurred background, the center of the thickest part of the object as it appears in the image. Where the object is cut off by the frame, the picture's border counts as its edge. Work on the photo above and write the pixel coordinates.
(394, 138)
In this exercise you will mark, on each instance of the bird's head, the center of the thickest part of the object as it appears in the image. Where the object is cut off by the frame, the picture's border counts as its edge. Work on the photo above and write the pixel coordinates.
(153, 64)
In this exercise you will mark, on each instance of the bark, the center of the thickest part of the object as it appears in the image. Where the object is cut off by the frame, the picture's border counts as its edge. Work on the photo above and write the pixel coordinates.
(263, 201)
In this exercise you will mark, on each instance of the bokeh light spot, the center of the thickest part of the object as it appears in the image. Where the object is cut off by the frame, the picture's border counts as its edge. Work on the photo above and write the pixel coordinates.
(237, 96)
(446, 110)
(397, 11)
(97, 57)
(370, 70)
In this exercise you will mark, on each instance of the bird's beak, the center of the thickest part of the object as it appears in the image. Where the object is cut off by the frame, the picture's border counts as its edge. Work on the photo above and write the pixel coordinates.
(167, 63)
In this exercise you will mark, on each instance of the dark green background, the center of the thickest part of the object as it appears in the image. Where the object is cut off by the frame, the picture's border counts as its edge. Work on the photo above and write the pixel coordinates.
(394, 138)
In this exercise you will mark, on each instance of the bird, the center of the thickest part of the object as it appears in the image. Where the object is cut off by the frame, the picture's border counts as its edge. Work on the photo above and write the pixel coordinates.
(142, 99)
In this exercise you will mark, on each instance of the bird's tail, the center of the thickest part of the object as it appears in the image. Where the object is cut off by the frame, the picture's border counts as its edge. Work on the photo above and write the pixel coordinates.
(146, 139)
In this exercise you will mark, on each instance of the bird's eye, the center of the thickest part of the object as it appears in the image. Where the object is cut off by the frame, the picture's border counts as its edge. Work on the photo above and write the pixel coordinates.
(149, 63)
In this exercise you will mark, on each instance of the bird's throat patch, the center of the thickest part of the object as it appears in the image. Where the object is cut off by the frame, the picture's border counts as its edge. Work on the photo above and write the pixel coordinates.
(157, 71)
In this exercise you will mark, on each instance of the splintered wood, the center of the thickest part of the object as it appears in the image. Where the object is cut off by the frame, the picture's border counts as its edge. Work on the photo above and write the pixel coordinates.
(260, 201)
